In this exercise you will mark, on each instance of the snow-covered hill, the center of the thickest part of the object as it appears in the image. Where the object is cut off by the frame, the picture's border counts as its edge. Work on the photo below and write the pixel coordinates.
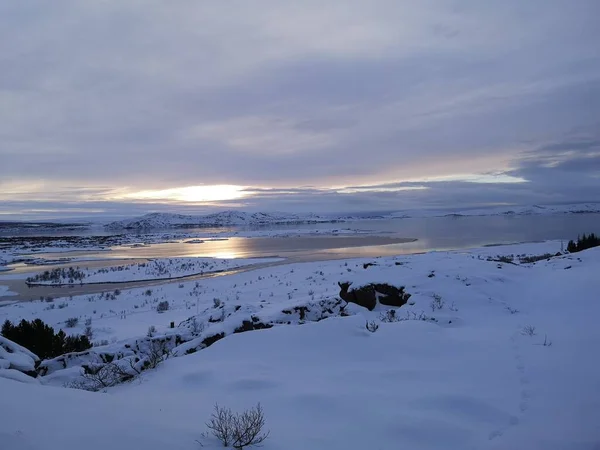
(486, 355)
(221, 219)
(537, 210)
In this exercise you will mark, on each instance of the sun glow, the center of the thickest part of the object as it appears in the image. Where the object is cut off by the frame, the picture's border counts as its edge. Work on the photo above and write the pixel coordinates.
(192, 194)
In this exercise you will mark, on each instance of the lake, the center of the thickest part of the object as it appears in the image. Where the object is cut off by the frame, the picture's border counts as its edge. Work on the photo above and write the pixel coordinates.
(379, 238)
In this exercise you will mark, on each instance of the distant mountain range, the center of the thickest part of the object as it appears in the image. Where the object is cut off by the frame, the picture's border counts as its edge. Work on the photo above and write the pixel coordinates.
(239, 218)
(222, 219)
(534, 210)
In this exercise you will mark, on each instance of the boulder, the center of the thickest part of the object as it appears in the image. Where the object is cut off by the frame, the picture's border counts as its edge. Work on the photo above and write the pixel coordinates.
(364, 296)
(368, 295)
(15, 358)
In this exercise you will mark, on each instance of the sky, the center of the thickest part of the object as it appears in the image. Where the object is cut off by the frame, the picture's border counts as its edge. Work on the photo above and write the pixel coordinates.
(122, 107)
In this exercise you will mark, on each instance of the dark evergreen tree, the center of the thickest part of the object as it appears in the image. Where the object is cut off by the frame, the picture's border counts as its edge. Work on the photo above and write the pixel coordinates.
(583, 243)
(41, 339)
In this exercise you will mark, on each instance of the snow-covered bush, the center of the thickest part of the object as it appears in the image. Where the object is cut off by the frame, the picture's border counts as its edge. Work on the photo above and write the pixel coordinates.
(372, 326)
(110, 371)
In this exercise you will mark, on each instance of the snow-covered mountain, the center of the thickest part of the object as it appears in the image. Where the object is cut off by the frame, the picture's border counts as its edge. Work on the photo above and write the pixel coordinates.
(221, 219)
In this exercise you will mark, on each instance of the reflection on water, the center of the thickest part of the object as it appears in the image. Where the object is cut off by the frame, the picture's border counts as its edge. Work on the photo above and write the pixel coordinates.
(233, 248)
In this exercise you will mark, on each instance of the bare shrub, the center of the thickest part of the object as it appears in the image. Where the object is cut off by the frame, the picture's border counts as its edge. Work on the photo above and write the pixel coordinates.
(389, 316)
(159, 352)
(437, 303)
(88, 332)
(71, 322)
(221, 425)
(151, 331)
(238, 430)
(100, 377)
(529, 330)
(412, 315)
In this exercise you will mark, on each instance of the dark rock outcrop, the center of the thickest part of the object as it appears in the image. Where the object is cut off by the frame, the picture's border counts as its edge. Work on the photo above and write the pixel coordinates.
(250, 325)
(368, 295)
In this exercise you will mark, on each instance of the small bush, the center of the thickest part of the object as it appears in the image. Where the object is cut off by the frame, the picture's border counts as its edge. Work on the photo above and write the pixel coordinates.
(151, 331)
(372, 326)
(529, 330)
(71, 322)
(389, 316)
(238, 430)
(163, 306)
(196, 327)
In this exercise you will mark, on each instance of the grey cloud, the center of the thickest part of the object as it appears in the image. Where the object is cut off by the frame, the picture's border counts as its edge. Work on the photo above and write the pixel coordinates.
(153, 96)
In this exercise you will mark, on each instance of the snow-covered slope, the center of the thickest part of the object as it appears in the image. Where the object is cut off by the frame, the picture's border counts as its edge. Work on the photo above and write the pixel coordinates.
(225, 218)
(508, 363)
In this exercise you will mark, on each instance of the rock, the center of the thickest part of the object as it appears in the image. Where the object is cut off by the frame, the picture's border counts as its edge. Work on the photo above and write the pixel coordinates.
(364, 296)
(210, 340)
(368, 295)
(16, 375)
(248, 325)
(15, 359)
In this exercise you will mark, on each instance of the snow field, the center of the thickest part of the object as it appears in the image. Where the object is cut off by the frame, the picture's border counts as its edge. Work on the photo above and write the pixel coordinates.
(473, 378)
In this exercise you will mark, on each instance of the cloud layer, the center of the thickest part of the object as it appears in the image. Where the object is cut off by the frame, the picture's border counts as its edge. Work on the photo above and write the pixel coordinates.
(99, 100)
